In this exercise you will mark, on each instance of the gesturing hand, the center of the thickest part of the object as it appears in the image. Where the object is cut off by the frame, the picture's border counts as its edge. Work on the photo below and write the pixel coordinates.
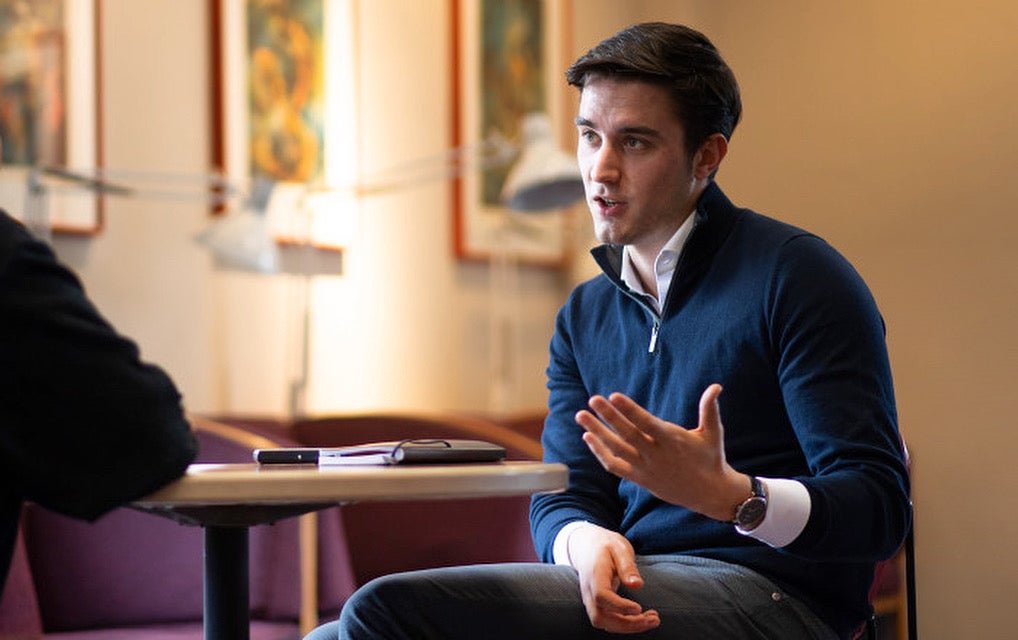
(684, 467)
(603, 560)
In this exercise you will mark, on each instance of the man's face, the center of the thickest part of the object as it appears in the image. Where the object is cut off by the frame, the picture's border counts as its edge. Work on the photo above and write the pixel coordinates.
(639, 181)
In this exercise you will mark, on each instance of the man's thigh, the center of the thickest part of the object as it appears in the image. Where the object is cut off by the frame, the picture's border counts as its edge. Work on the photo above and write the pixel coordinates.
(696, 598)
(495, 601)
(703, 598)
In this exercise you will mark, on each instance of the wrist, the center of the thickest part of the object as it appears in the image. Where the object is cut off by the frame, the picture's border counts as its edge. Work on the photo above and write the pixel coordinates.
(752, 511)
(560, 547)
(788, 510)
(731, 492)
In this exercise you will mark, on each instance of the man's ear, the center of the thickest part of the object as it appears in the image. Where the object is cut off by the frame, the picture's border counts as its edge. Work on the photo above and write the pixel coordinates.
(709, 156)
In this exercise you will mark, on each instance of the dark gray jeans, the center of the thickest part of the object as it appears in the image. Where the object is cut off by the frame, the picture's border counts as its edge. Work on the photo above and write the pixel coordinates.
(697, 598)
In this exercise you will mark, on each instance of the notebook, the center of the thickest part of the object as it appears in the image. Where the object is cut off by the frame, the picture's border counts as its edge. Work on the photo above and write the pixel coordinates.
(412, 451)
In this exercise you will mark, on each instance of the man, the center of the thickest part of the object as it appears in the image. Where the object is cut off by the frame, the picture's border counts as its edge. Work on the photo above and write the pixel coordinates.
(85, 426)
(756, 512)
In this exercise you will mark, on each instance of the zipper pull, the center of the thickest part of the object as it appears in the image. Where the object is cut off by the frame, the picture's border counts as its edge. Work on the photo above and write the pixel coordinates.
(653, 336)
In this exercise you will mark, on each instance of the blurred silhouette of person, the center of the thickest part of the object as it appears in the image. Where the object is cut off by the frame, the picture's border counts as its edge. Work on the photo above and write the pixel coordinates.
(85, 424)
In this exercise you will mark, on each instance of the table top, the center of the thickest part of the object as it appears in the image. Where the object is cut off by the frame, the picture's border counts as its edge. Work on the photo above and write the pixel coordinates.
(304, 484)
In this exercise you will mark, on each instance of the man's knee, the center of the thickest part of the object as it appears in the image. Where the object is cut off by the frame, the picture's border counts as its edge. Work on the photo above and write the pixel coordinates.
(328, 631)
(374, 602)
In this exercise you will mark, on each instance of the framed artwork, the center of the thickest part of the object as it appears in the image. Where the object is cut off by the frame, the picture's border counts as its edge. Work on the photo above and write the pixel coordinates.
(49, 110)
(509, 59)
(279, 66)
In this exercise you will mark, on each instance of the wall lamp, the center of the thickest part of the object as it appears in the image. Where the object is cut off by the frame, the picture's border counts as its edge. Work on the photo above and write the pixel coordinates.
(541, 178)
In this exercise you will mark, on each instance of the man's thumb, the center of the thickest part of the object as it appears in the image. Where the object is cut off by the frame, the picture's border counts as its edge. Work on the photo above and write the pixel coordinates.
(710, 410)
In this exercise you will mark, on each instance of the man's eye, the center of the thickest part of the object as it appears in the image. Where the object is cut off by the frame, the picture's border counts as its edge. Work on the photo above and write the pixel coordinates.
(588, 135)
(634, 143)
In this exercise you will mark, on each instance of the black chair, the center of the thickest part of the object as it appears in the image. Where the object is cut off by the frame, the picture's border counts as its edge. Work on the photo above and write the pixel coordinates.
(908, 553)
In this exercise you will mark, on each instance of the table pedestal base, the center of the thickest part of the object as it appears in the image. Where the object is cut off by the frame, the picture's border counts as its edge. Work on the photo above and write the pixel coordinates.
(227, 596)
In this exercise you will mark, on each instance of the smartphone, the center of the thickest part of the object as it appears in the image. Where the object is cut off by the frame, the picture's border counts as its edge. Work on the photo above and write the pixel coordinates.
(286, 455)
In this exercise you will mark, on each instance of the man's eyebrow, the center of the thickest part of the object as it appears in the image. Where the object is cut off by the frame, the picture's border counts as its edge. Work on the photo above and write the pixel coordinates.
(643, 131)
(638, 130)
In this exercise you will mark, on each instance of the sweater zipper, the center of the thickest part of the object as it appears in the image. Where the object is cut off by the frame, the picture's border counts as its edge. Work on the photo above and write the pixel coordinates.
(655, 327)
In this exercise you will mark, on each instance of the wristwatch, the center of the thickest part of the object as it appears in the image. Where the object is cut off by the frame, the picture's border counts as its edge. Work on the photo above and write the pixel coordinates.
(750, 513)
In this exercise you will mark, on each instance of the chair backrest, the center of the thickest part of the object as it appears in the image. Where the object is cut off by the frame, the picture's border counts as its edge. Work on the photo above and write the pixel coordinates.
(528, 423)
(385, 537)
(910, 605)
(909, 549)
(342, 430)
(895, 578)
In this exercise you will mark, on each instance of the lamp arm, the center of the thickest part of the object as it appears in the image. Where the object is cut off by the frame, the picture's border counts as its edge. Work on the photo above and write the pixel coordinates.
(212, 187)
(494, 151)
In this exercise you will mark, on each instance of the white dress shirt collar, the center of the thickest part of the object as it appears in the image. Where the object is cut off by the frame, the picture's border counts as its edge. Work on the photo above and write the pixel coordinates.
(664, 264)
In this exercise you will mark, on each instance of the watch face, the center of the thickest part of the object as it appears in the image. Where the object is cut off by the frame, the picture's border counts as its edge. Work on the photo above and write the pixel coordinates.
(751, 512)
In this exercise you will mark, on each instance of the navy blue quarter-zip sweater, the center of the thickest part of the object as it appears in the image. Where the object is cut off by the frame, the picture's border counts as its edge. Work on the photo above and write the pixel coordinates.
(791, 331)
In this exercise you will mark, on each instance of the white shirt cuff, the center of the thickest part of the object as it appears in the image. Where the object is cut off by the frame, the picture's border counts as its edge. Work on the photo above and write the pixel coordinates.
(560, 548)
(788, 507)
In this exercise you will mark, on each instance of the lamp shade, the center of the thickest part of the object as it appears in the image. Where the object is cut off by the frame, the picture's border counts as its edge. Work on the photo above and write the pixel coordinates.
(242, 240)
(544, 177)
(239, 241)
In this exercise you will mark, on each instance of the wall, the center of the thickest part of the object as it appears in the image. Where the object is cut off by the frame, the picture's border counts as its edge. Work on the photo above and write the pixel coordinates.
(883, 126)
(405, 326)
(406, 314)
(142, 270)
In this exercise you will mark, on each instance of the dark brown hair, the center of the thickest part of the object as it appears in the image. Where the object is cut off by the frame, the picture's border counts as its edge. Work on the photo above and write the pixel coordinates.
(703, 87)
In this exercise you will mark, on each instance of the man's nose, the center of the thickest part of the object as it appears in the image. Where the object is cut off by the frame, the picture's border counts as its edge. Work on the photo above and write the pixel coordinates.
(605, 165)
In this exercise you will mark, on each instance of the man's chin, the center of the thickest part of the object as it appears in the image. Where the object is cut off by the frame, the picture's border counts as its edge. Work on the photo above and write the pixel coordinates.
(607, 233)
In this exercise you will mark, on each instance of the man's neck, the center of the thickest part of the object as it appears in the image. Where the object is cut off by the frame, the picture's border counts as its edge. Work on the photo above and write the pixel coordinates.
(643, 265)
(643, 261)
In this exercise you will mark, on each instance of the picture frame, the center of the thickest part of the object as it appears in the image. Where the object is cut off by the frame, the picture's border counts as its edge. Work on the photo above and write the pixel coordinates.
(50, 111)
(508, 59)
(274, 77)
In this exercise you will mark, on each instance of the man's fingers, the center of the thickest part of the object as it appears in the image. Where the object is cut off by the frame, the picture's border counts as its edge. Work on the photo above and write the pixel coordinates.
(710, 413)
(604, 561)
(610, 427)
(593, 423)
(609, 459)
(616, 614)
(613, 622)
(626, 569)
(611, 602)
(609, 414)
(644, 422)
